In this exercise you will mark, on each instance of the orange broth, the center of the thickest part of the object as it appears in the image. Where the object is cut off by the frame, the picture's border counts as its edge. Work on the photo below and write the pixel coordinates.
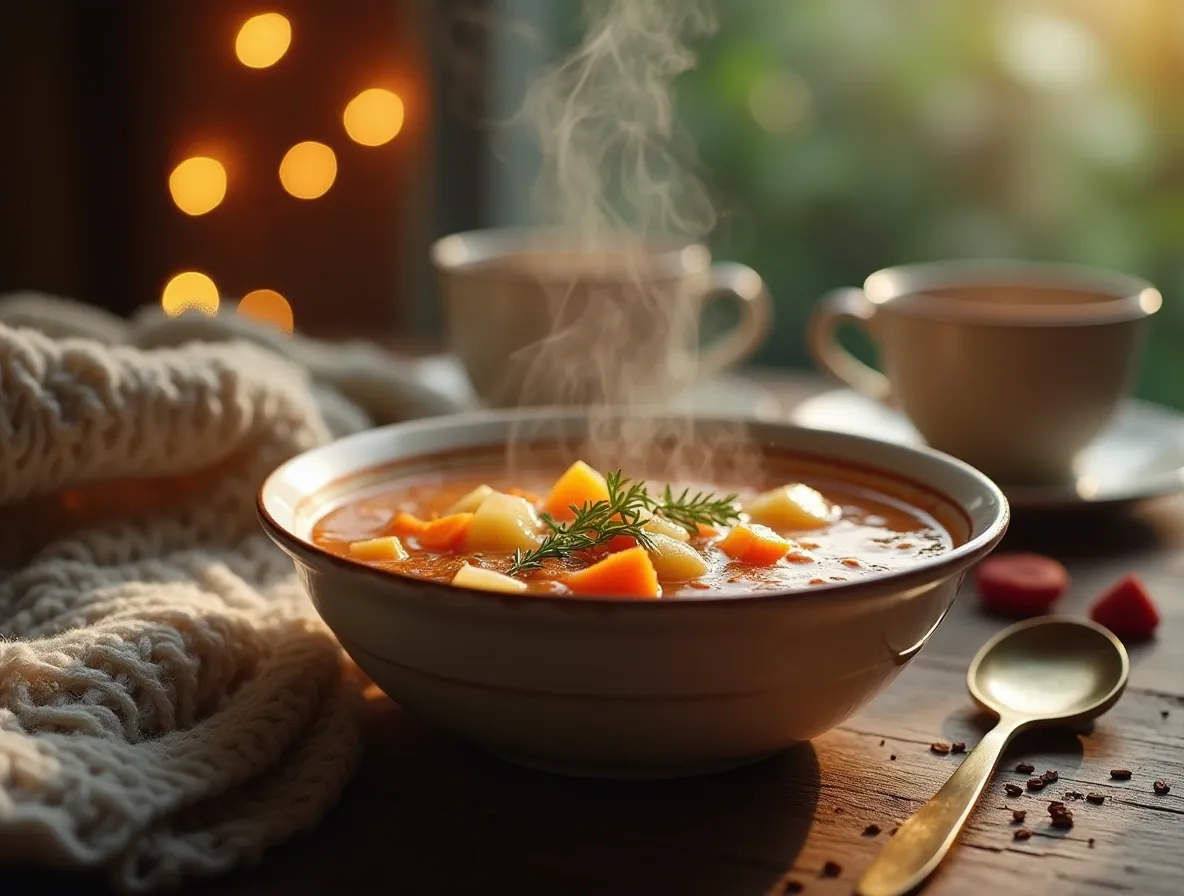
(876, 533)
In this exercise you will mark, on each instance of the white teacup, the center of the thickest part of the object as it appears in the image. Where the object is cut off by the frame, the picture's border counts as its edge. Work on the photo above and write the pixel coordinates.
(537, 318)
(1012, 366)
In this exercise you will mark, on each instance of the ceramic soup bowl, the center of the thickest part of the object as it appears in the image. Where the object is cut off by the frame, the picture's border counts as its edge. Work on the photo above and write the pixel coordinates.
(629, 688)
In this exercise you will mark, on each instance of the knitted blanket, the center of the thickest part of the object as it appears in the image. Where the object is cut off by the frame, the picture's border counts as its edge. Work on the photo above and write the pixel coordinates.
(169, 703)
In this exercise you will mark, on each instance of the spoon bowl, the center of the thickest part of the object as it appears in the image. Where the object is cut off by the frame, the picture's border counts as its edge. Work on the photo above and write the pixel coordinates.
(1050, 670)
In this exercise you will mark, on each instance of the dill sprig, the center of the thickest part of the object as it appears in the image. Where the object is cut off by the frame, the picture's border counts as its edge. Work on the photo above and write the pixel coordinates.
(701, 508)
(594, 524)
(626, 511)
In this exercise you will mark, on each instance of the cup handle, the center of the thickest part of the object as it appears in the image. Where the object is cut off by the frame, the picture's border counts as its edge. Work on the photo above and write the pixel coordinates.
(846, 305)
(729, 278)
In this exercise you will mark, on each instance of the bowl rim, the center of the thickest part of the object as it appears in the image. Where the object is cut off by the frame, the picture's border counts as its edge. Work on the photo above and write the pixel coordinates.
(923, 572)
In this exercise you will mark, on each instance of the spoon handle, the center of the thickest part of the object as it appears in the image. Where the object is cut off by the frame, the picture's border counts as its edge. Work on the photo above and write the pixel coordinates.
(922, 841)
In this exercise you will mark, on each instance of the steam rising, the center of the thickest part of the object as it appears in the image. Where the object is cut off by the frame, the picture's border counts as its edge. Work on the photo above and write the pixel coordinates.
(619, 190)
(613, 157)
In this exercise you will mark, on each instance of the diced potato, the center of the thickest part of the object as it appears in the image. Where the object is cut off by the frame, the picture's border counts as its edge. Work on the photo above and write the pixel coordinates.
(503, 523)
(792, 507)
(470, 502)
(755, 544)
(388, 547)
(579, 485)
(659, 525)
(469, 576)
(674, 560)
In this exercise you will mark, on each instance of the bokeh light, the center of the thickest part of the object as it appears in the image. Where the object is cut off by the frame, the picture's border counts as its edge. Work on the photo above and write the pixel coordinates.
(263, 40)
(267, 306)
(779, 101)
(190, 290)
(308, 169)
(374, 117)
(198, 185)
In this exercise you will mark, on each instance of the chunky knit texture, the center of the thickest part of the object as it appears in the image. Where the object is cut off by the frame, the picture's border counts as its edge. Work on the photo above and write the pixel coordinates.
(170, 704)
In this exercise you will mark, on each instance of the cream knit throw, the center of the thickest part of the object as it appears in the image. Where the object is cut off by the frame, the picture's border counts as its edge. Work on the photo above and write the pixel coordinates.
(169, 703)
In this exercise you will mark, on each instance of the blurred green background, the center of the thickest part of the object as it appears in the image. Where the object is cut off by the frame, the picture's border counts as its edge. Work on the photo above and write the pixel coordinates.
(841, 136)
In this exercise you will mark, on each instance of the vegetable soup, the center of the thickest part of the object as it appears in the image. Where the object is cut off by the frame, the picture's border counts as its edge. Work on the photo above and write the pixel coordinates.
(586, 532)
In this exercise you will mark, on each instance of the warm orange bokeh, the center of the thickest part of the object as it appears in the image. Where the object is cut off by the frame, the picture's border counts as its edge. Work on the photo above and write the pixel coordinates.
(190, 290)
(267, 306)
(308, 170)
(374, 117)
(198, 185)
(263, 40)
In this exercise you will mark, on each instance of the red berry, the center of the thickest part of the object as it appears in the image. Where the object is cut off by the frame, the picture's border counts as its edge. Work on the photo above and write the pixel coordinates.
(1021, 585)
(1126, 609)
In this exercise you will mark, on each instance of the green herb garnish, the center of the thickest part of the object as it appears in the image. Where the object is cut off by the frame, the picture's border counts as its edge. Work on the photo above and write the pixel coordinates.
(594, 524)
(626, 511)
(702, 508)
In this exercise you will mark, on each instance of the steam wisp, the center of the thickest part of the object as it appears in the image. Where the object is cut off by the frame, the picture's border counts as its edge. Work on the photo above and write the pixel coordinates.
(619, 190)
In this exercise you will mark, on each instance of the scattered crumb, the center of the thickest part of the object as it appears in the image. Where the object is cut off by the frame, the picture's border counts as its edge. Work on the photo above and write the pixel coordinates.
(940, 747)
(871, 830)
(1025, 768)
(831, 869)
(892, 757)
(1022, 834)
(1018, 815)
(792, 886)
(957, 747)
(1161, 787)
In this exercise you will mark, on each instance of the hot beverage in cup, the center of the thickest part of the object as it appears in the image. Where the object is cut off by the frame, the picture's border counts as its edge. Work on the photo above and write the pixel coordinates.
(1014, 367)
(539, 318)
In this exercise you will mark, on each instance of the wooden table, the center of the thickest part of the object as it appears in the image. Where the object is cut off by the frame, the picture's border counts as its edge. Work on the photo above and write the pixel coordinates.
(429, 817)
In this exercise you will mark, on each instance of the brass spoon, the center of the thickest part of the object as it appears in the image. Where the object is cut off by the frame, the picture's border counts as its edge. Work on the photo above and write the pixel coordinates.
(1045, 671)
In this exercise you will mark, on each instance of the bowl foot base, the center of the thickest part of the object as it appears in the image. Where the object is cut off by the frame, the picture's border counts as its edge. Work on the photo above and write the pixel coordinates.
(631, 772)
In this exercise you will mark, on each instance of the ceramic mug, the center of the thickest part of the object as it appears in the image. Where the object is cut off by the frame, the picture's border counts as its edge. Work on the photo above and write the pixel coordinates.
(536, 317)
(1013, 366)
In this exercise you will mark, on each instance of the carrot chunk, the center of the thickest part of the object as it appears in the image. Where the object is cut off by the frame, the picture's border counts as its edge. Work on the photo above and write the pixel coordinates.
(755, 544)
(628, 573)
(578, 486)
(619, 543)
(445, 533)
(408, 524)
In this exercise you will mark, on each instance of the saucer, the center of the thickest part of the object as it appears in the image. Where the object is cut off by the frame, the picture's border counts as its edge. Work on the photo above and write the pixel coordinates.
(1139, 456)
(727, 395)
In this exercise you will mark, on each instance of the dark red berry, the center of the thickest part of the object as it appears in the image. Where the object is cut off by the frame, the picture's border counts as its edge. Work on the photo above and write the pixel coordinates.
(1126, 609)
